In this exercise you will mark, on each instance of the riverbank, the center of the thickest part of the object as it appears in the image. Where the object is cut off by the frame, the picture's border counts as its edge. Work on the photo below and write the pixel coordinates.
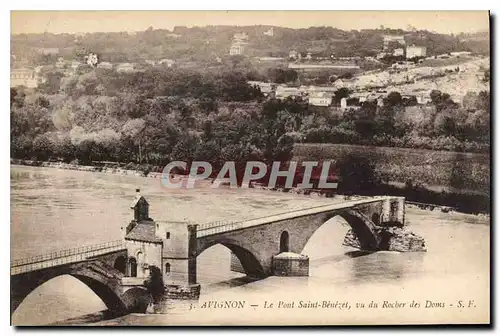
(108, 168)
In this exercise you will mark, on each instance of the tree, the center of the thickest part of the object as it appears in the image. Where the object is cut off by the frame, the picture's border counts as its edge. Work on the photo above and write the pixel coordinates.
(52, 84)
(394, 98)
(16, 98)
(469, 101)
(357, 174)
(154, 284)
(133, 130)
(435, 96)
(341, 93)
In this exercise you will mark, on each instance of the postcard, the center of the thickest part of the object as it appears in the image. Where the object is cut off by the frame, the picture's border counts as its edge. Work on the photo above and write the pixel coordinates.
(250, 168)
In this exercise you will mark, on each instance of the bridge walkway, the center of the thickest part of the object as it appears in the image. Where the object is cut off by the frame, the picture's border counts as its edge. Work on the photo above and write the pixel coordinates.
(64, 257)
(223, 227)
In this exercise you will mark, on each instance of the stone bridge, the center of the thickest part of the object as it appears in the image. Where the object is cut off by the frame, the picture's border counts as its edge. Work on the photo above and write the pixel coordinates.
(256, 242)
(101, 267)
(117, 271)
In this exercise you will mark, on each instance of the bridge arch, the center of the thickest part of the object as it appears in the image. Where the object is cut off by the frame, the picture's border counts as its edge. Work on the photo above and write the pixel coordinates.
(247, 258)
(362, 225)
(22, 285)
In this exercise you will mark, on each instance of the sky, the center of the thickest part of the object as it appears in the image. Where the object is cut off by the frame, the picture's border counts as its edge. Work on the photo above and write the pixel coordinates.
(114, 21)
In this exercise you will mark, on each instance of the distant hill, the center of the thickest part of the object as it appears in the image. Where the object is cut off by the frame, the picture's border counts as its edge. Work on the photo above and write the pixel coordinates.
(205, 43)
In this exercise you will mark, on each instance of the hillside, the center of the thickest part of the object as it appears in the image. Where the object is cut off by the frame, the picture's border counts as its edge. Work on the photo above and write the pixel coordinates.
(470, 77)
(205, 43)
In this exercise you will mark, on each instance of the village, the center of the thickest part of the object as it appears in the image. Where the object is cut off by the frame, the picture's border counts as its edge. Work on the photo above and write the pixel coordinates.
(398, 67)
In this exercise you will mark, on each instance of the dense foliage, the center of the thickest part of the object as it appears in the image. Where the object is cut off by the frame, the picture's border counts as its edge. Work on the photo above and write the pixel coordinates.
(171, 114)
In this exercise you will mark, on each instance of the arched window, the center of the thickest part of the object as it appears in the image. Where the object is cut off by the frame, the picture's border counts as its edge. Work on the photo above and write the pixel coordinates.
(284, 242)
(167, 269)
(132, 266)
(168, 235)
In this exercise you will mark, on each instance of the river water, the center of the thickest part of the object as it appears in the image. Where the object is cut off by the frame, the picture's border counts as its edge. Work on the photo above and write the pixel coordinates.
(55, 209)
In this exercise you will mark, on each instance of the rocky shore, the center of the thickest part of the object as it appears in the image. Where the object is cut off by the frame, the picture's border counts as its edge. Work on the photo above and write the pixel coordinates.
(394, 238)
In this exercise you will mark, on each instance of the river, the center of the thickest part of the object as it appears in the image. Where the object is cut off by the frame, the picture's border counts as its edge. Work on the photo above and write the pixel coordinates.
(55, 209)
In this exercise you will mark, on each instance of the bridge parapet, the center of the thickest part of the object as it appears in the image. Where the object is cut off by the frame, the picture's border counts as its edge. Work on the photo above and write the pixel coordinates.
(390, 213)
(64, 257)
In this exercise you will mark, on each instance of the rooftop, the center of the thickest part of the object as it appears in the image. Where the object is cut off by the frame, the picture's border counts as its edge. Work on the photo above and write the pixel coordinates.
(143, 232)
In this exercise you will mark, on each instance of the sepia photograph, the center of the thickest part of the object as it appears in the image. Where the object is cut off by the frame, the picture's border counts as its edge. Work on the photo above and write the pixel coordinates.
(250, 168)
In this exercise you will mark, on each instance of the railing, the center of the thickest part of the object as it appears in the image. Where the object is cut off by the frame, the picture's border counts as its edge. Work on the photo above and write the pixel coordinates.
(64, 256)
(221, 226)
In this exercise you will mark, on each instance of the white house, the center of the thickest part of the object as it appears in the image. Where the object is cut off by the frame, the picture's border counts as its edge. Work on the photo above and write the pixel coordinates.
(415, 51)
(398, 52)
(105, 65)
(320, 99)
(125, 67)
(390, 38)
(283, 92)
(24, 77)
(236, 49)
(240, 37)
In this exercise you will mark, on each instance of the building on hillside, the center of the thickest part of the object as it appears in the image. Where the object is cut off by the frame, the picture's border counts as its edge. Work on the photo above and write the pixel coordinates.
(293, 54)
(320, 99)
(240, 37)
(265, 88)
(314, 89)
(237, 48)
(343, 103)
(270, 32)
(24, 77)
(168, 62)
(369, 97)
(388, 39)
(309, 56)
(398, 52)
(48, 51)
(283, 92)
(125, 67)
(423, 98)
(105, 65)
(61, 63)
(460, 53)
(415, 51)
